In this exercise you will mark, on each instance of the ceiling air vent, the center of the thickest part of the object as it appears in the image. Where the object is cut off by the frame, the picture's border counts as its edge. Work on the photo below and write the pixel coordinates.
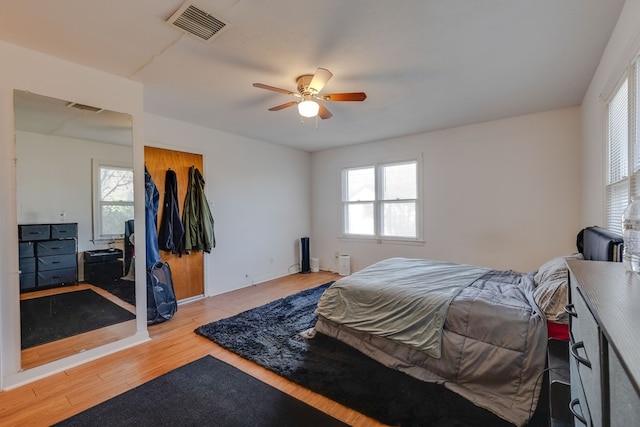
(196, 22)
(85, 107)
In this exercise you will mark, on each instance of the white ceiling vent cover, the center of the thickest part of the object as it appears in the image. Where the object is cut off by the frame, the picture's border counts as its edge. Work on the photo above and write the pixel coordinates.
(194, 21)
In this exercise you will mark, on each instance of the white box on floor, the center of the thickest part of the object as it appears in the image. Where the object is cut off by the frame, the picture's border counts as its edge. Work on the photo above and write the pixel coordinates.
(344, 265)
(314, 264)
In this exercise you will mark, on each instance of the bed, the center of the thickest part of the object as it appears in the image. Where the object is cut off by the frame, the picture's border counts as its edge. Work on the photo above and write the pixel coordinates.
(482, 333)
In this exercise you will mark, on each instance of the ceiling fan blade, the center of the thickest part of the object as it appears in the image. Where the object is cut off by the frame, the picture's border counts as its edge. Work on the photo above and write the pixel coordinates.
(282, 106)
(320, 78)
(324, 113)
(353, 96)
(275, 89)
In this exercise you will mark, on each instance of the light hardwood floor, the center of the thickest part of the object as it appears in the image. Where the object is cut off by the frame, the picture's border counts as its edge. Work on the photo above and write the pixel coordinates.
(173, 344)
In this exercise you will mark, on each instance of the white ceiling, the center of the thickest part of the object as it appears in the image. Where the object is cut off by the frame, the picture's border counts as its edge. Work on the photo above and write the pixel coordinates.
(424, 64)
(51, 116)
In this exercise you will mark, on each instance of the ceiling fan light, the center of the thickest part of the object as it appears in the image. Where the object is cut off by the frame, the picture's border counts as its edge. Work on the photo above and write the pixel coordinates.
(308, 108)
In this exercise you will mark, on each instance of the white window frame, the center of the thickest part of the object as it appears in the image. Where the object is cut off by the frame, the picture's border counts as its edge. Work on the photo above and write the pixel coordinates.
(378, 203)
(619, 188)
(96, 166)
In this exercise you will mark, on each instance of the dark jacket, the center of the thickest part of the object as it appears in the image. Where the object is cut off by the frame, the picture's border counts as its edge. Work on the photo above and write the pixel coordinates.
(171, 233)
(151, 199)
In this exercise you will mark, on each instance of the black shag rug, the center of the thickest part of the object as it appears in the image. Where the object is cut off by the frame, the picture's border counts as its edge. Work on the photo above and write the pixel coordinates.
(269, 336)
(51, 318)
(123, 289)
(207, 392)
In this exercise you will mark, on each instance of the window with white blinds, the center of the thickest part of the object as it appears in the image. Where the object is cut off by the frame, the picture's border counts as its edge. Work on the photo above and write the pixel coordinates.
(617, 186)
(633, 130)
(623, 147)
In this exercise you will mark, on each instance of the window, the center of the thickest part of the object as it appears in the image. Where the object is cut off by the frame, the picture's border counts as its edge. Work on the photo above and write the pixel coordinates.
(623, 151)
(617, 188)
(112, 198)
(381, 201)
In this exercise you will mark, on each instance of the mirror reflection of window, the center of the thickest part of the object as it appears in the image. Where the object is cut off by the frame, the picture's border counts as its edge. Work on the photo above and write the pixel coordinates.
(113, 204)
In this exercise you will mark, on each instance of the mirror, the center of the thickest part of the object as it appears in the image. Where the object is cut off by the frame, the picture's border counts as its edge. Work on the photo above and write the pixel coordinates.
(75, 205)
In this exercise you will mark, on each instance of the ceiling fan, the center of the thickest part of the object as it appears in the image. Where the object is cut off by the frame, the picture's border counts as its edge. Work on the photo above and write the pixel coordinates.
(309, 87)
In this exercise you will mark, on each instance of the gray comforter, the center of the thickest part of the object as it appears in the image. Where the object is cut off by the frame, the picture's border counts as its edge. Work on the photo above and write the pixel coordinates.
(390, 299)
(485, 338)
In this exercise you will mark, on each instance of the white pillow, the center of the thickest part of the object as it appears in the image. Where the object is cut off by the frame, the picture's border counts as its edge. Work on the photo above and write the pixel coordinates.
(551, 293)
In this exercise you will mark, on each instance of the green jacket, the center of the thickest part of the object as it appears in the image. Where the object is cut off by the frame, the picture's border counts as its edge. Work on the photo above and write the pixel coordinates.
(196, 216)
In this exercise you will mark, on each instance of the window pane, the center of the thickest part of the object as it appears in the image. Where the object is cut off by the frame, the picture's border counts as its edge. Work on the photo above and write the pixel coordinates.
(618, 182)
(399, 219)
(617, 140)
(359, 219)
(116, 185)
(381, 201)
(113, 218)
(635, 141)
(399, 181)
(360, 185)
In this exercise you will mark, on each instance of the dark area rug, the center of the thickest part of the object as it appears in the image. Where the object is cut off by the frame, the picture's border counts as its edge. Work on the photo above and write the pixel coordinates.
(54, 317)
(269, 336)
(123, 289)
(207, 392)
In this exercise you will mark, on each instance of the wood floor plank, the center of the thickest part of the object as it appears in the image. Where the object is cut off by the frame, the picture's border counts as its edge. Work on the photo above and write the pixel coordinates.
(172, 345)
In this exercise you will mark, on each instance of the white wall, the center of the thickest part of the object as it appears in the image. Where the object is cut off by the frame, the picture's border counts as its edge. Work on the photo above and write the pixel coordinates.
(44, 191)
(259, 197)
(502, 194)
(623, 46)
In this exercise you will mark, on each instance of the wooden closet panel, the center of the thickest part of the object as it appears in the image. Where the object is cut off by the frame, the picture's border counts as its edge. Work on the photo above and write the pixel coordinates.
(188, 270)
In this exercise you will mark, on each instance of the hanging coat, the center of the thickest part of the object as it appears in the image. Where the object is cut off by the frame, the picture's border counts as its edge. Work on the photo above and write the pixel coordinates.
(151, 200)
(171, 233)
(196, 216)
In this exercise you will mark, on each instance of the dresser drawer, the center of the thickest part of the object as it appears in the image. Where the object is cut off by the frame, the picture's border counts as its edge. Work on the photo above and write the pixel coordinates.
(578, 405)
(56, 262)
(56, 277)
(585, 352)
(27, 281)
(625, 402)
(34, 232)
(26, 249)
(64, 231)
(27, 265)
(56, 247)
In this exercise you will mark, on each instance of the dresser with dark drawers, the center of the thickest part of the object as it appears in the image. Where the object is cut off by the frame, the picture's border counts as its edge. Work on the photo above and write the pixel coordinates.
(604, 344)
(48, 255)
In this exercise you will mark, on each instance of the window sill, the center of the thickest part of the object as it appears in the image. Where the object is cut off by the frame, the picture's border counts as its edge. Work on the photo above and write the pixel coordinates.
(103, 240)
(381, 240)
